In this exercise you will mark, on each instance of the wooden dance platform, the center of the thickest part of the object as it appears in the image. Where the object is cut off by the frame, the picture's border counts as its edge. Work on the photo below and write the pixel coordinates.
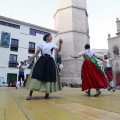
(68, 104)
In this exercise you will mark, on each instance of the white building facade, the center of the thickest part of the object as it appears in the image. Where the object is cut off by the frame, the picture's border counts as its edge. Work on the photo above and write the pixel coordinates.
(18, 41)
(100, 52)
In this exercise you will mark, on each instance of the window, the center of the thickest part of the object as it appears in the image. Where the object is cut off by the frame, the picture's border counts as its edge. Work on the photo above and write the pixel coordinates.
(14, 45)
(116, 50)
(9, 24)
(5, 39)
(41, 32)
(31, 62)
(31, 48)
(34, 31)
(13, 60)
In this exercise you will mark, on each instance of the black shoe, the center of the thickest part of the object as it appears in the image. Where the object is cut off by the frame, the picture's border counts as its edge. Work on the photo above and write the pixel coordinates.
(109, 88)
(47, 95)
(97, 94)
(29, 97)
(88, 93)
(113, 89)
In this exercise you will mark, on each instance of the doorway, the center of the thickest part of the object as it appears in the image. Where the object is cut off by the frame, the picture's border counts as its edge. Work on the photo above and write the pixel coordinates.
(1, 80)
(11, 78)
(118, 79)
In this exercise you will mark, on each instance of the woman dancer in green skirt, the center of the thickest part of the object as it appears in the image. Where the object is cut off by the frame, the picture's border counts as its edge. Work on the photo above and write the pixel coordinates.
(44, 76)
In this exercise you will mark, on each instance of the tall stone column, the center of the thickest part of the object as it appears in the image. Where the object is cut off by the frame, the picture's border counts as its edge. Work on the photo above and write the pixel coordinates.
(71, 22)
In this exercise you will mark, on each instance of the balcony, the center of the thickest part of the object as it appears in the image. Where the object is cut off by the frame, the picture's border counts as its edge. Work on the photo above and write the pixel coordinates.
(14, 48)
(31, 50)
(13, 64)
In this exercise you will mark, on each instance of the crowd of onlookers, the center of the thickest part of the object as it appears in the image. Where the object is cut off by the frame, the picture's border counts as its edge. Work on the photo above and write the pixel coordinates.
(4, 84)
(64, 84)
(13, 84)
(72, 85)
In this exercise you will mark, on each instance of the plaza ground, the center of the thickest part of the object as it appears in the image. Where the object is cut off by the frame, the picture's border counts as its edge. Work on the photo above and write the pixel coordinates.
(68, 104)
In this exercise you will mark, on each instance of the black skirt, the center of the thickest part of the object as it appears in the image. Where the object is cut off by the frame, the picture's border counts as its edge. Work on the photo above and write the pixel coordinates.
(45, 69)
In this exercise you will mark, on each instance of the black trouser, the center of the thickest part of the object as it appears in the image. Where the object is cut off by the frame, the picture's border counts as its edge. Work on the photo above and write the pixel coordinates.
(20, 76)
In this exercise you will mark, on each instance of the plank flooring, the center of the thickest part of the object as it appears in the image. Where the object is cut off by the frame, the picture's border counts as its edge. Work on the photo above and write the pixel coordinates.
(68, 104)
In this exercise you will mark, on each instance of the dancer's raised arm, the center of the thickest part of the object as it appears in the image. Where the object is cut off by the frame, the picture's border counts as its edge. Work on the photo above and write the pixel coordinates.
(60, 45)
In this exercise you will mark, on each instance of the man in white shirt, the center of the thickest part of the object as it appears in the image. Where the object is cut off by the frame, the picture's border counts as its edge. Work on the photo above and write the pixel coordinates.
(108, 70)
(22, 66)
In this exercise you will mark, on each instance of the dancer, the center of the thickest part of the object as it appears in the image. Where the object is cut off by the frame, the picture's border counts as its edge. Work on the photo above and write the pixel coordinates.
(44, 76)
(92, 75)
(22, 66)
(108, 70)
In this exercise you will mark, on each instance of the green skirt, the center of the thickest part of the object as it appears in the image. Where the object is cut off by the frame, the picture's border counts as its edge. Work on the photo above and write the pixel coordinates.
(47, 87)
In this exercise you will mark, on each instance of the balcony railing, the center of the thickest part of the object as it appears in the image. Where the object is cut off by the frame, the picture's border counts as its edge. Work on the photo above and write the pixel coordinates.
(14, 48)
(13, 64)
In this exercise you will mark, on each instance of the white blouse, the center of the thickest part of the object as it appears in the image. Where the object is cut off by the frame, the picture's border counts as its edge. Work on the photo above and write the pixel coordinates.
(90, 53)
(46, 47)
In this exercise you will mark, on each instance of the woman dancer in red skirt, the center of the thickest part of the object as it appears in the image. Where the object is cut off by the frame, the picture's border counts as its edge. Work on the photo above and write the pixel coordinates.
(91, 73)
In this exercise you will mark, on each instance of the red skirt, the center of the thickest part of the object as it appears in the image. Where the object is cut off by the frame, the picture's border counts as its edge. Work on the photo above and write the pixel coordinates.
(92, 76)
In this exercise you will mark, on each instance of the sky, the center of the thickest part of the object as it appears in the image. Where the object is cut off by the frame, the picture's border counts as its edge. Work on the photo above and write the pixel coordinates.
(102, 16)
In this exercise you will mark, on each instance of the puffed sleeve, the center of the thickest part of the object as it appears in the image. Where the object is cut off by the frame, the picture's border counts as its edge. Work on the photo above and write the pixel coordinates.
(81, 53)
(55, 46)
(100, 63)
(39, 47)
(95, 54)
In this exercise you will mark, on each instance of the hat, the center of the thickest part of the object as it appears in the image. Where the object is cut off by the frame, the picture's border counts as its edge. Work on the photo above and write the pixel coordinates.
(22, 62)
